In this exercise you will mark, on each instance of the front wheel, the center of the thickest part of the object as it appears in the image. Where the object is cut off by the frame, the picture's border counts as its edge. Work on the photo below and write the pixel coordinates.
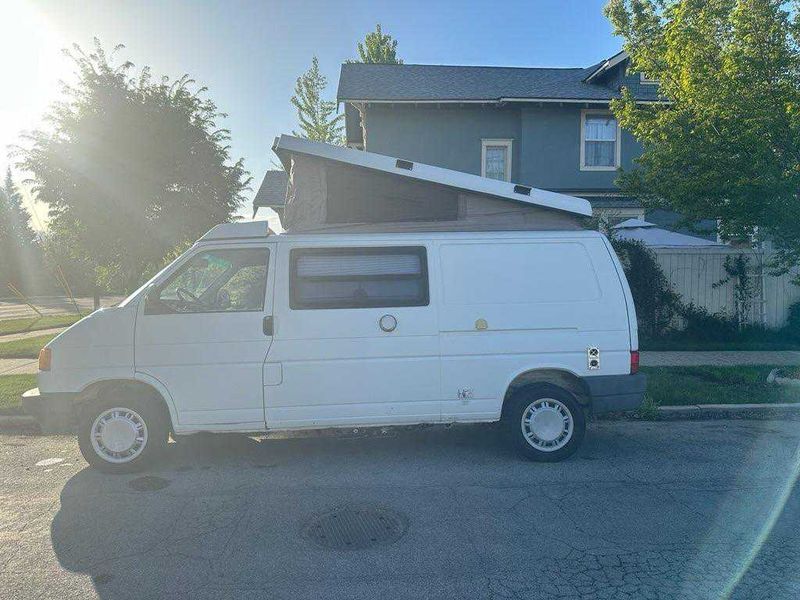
(544, 422)
(122, 433)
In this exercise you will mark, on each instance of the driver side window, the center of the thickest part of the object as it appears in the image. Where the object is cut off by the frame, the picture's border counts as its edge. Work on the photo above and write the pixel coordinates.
(219, 280)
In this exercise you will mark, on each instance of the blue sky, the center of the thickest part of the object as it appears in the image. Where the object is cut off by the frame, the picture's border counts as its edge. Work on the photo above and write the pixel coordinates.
(250, 53)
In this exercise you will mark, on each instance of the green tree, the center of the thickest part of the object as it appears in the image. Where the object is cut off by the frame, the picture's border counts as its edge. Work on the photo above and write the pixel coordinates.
(19, 251)
(378, 47)
(130, 167)
(317, 117)
(727, 145)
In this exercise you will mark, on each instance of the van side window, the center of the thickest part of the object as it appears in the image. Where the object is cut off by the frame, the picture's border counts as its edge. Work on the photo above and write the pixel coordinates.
(230, 280)
(324, 278)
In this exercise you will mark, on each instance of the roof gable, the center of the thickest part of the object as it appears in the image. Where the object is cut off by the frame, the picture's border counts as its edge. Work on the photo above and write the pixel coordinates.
(607, 66)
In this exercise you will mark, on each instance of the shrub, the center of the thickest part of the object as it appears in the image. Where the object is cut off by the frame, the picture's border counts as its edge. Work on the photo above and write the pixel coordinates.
(656, 304)
(793, 322)
(702, 325)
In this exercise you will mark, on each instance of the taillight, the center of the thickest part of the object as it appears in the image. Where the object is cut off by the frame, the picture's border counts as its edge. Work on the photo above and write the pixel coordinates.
(45, 359)
(634, 361)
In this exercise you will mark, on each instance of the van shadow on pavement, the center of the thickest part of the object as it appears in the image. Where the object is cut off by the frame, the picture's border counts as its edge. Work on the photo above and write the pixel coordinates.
(636, 513)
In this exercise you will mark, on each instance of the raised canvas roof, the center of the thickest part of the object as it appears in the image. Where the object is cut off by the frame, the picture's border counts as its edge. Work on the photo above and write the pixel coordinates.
(285, 146)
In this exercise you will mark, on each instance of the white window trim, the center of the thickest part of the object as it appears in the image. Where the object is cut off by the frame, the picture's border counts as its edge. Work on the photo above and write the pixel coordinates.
(645, 80)
(618, 150)
(497, 142)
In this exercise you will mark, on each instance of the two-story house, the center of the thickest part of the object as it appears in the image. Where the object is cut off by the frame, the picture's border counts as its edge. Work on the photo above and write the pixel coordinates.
(549, 128)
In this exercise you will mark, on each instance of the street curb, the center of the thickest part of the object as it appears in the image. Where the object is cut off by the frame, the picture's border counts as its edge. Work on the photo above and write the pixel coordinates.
(18, 424)
(705, 412)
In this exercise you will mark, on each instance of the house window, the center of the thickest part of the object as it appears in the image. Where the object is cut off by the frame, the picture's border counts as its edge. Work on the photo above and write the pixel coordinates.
(358, 277)
(496, 159)
(600, 141)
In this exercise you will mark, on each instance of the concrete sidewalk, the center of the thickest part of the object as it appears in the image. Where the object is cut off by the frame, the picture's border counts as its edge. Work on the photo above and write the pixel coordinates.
(18, 366)
(13, 337)
(781, 358)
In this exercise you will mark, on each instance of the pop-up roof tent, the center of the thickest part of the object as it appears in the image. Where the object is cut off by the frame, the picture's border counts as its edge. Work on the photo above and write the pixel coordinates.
(341, 189)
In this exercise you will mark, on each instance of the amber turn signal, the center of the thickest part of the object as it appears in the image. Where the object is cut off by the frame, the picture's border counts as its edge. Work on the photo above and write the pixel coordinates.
(45, 359)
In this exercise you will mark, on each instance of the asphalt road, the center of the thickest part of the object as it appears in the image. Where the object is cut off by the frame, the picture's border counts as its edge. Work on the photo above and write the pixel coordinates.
(644, 510)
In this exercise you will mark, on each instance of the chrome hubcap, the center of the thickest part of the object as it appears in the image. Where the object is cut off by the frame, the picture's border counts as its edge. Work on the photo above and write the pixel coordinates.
(119, 435)
(547, 424)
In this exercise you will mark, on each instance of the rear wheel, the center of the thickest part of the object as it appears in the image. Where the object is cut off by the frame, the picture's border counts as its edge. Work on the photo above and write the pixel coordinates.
(122, 431)
(544, 422)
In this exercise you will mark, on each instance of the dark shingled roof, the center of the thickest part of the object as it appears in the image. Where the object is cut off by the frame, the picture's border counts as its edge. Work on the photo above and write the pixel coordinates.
(272, 192)
(373, 82)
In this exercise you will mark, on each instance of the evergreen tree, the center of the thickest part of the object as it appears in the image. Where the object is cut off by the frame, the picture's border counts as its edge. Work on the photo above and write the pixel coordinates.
(19, 250)
(378, 47)
(317, 117)
(18, 215)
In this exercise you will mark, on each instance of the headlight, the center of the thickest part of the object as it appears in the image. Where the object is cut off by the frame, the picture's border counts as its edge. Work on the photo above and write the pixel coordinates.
(45, 359)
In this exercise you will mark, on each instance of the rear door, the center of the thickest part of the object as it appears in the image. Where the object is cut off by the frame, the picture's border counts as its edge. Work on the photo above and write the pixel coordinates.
(356, 337)
(201, 334)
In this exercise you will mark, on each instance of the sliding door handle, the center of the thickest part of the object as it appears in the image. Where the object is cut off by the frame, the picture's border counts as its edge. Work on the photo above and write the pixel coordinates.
(268, 325)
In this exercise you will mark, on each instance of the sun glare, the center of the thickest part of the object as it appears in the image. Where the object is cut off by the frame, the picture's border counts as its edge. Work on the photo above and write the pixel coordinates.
(32, 65)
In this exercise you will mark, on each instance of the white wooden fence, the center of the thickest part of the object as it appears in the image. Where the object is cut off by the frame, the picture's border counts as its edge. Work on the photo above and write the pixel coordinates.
(693, 272)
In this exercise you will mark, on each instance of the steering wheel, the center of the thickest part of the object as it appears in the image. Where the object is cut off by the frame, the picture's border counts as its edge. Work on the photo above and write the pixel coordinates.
(187, 297)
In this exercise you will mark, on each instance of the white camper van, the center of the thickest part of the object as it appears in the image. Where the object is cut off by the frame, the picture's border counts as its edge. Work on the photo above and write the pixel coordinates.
(342, 326)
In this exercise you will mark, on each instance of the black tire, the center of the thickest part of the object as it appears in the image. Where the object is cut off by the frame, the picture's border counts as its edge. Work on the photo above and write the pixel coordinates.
(152, 413)
(515, 407)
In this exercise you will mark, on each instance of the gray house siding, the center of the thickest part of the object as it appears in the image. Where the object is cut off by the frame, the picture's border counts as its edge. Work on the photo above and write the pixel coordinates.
(446, 137)
(551, 146)
(545, 150)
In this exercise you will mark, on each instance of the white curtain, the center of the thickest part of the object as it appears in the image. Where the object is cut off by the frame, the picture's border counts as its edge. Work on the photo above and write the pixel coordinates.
(600, 139)
(496, 162)
(358, 265)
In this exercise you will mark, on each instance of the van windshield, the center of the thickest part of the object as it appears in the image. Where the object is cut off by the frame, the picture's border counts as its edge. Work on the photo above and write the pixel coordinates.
(136, 293)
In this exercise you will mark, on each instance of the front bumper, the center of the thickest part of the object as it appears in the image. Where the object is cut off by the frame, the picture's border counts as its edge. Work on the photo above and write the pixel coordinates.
(611, 393)
(55, 412)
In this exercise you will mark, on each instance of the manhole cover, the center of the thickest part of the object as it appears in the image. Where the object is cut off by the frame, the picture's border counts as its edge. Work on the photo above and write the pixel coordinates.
(148, 483)
(356, 528)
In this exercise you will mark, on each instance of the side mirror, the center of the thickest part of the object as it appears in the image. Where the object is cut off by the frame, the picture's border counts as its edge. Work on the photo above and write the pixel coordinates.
(152, 303)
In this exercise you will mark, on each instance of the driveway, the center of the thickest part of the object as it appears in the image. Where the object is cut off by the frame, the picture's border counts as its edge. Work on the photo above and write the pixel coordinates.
(644, 510)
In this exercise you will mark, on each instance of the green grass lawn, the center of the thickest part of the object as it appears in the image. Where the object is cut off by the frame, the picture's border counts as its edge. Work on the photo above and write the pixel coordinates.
(793, 372)
(24, 348)
(34, 324)
(11, 388)
(679, 386)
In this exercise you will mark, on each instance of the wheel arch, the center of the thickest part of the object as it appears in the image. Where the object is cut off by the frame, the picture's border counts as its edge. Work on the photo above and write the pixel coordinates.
(94, 390)
(562, 378)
